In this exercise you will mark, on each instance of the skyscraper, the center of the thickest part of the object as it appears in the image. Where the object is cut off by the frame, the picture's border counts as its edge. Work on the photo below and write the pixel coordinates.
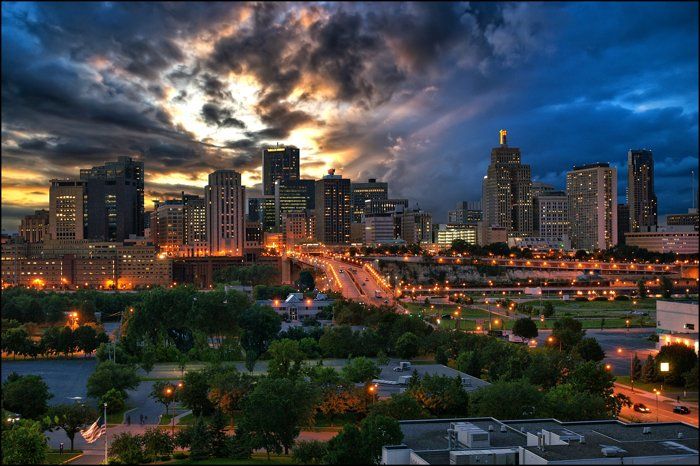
(591, 192)
(293, 196)
(507, 198)
(169, 226)
(641, 198)
(114, 199)
(225, 213)
(361, 192)
(333, 209)
(67, 199)
(194, 214)
(623, 222)
(279, 163)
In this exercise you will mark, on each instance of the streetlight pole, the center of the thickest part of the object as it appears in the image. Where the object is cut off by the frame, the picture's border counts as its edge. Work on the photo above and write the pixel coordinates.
(105, 419)
(656, 392)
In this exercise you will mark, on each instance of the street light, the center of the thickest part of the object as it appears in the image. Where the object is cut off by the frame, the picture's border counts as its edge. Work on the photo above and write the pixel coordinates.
(664, 368)
(657, 392)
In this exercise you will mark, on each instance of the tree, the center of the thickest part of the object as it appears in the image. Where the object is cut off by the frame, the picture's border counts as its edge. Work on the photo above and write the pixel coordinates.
(127, 448)
(306, 280)
(72, 418)
(260, 325)
(407, 345)
(680, 359)
(517, 399)
(548, 309)
(156, 443)
(108, 375)
(592, 377)
(274, 411)
(286, 359)
(115, 400)
(85, 338)
(24, 443)
(566, 403)
(360, 370)
(194, 393)
(666, 286)
(337, 341)
(15, 341)
(641, 289)
(590, 350)
(309, 346)
(376, 431)
(200, 440)
(309, 452)
(50, 340)
(568, 332)
(525, 328)
(66, 341)
(441, 395)
(164, 393)
(400, 406)
(691, 378)
(217, 435)
(26, 395)
(228, 388)
(636, 369)
(469, 363)
(343, 448)
(441, 356)
(649, 372)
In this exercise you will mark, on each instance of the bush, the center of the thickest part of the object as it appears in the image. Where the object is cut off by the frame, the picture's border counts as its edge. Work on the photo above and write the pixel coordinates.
(180, 455)
(115, 400)
(309, 452)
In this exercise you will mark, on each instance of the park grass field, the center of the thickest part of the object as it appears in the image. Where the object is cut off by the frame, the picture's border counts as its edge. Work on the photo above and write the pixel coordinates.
(54, 457)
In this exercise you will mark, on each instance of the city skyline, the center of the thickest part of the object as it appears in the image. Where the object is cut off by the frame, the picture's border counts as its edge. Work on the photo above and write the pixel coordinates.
(406, 106)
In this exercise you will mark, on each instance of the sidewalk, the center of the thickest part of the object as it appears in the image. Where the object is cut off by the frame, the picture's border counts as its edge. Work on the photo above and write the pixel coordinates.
(652, 396)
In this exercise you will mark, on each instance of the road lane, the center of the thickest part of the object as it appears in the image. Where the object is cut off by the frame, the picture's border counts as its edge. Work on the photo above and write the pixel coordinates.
(665, 407)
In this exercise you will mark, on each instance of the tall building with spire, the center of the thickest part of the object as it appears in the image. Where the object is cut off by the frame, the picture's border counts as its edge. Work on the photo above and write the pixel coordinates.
(641, 197)
(507, 197)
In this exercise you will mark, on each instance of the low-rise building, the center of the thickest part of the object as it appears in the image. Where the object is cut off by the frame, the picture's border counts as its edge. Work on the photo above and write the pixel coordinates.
(541, 243)
(445, 233)
(679, 240)
(486, 440)
(677, 322)
(378, 228)
(296, 307)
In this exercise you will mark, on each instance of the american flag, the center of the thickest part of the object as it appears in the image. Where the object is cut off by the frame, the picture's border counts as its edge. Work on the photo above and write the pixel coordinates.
(96, 430)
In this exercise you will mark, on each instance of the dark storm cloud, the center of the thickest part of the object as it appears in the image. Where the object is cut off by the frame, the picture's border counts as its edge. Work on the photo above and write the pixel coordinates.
(214, 115)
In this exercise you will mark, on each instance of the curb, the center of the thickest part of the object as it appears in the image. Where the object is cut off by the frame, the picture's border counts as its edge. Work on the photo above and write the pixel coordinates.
(73, 459)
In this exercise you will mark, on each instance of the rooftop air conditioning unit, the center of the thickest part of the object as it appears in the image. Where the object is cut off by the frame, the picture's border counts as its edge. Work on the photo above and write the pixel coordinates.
(490, 427)
(646, 430)
(503, 428)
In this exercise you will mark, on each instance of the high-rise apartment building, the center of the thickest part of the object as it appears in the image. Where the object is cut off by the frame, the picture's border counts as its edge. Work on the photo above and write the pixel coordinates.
(362, 192)
(35, 228)
(641, 197)
(114, 199)
(592, 201)
(67, 209)
(279, 163)
(466, 213)
(169, 226)
(551, 214)
(194, 217)
(507, 197)
(333, 209)
(225, 213)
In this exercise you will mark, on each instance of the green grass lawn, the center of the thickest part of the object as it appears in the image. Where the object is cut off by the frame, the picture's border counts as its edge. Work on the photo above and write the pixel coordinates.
(54, 457)
(258, 458)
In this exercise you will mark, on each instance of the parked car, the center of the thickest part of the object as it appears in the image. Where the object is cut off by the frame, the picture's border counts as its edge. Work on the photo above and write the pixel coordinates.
(641, 408)
(679, 409)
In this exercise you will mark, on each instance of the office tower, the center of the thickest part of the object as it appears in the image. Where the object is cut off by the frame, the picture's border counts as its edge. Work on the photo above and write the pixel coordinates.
(293, 196)
(378, 228)
(592, 200)
(295, 226)
(67, 209)
(169, 226)
(34, 228)
(623, 222)
(225, 213)
(466, 213)
(194, 217)
(361, 192)
(114, 199)
(383, 206)
(333, 209)
(268, 217)
(253, 209)
(279, 163)
(551, 214)
(445, 233)
(507, 199)
(253, 235)
(416, 226)
(641, 198)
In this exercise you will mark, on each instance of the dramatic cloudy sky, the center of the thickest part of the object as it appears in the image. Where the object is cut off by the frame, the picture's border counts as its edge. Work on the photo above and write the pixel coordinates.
(410, 93)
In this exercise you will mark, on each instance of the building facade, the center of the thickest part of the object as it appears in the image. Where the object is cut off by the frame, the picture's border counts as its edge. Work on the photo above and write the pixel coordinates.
(362, 192)
(689, 219)
(67, 210)
(168, 230)
(293, 196)
(279, 163)
(225, 213)
(378, 228)
(679, 240)
(35, 228)
(592, 203)
(551, 214)
(114, 199)
(194, 212)
(507, 192)
(641, 197)
(333, 209)
(623, 222)
(466, 212)
(445, 233)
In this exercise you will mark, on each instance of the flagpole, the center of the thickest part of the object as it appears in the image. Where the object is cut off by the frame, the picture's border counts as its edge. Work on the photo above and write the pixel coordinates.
(105, 406)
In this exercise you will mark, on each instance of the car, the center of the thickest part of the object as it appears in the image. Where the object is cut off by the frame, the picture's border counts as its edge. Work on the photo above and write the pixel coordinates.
(679, 409)
(641, 408)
